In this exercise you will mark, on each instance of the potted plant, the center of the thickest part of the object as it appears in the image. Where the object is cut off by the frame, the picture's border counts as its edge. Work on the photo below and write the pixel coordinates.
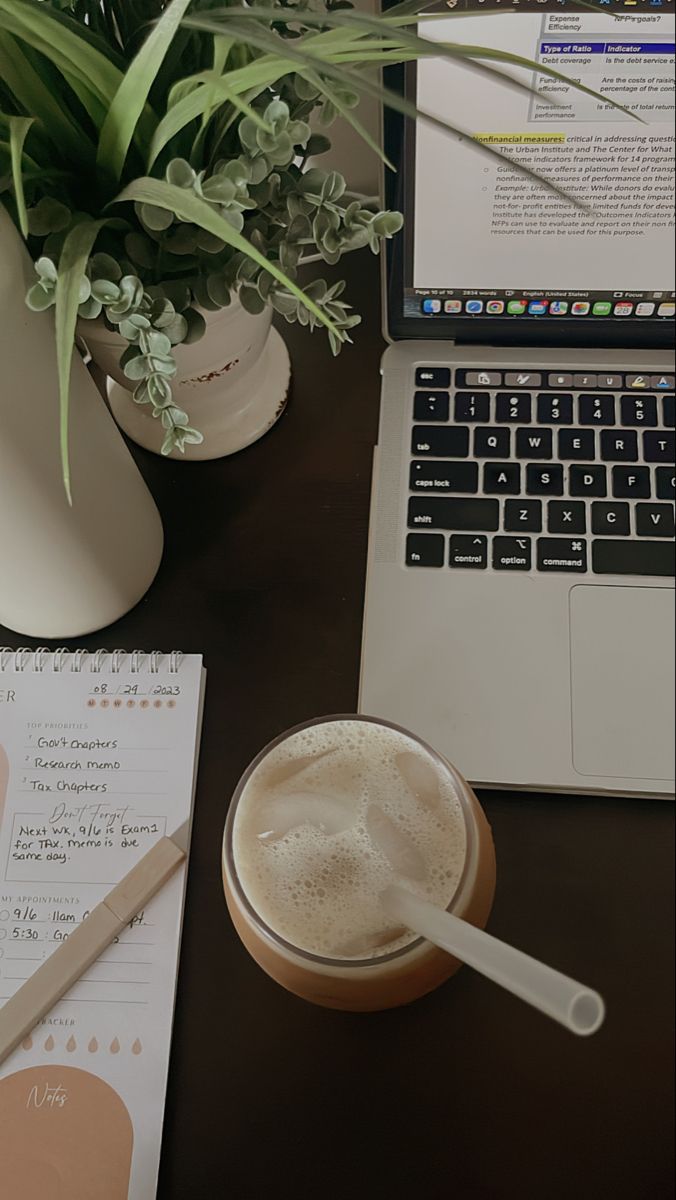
(159, 160)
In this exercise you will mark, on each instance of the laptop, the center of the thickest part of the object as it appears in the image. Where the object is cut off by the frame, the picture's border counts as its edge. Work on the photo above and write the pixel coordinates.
(520, 594)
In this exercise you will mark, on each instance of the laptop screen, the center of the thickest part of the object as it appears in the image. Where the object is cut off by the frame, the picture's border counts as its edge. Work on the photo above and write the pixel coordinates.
(485, 242)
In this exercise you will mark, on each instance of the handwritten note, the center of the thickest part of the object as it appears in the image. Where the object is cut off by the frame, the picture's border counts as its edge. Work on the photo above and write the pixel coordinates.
(94, 768)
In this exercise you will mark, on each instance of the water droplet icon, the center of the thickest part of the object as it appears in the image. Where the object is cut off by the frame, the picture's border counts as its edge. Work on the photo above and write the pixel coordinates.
(93, 1046)
(27, 1043)
(50, 1043)
(71, 1044)
(137, 1048)
(114, 1046)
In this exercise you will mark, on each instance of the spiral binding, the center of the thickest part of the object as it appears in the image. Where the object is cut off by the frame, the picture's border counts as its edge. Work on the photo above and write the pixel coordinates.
(113, 662)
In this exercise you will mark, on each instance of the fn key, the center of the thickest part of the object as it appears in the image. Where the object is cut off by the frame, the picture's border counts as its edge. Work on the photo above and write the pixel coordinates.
(425, 550)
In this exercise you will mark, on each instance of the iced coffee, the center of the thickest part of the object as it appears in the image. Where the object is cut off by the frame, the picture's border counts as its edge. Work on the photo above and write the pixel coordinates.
(322, 822)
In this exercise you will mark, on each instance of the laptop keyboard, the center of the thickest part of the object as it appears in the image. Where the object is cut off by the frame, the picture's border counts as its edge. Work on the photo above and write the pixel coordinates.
(542, 471)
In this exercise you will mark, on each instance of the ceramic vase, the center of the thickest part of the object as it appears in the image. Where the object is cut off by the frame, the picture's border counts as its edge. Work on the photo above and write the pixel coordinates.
(233, 382)
(64, 571)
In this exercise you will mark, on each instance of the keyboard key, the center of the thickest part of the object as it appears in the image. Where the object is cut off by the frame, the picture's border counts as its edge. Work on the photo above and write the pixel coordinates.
(663, 382)
(585, 381)
(619, 446)
(559, 381)
(514, 406)
(444, 477)
(638, 382)
(669, 409)
(597, 410)
(527, 379)
(567, 516)
(440, 441)
(492, 442)
(523, 515)
(588, 480)
(534, 443)
(577, 443)
(470, 553)
(665, 483)
(609, 518)
(478, 378)
(511, 554)
(638, 410)
(431, 406)
(631, 482)
(632, 558)
(655, 520)
(544, 481)
(425, 549)
(610, 382)
(555, 408)
(433, 377)
(442, 512)
(562, 554)
(502, 478)
(472, 406)
(659, 447)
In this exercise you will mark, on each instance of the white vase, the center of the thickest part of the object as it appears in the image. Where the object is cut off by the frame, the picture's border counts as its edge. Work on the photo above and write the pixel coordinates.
(233, 382)
(64, 572)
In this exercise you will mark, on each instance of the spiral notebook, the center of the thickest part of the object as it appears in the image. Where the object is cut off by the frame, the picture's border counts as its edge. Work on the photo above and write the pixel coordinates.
(98, 759)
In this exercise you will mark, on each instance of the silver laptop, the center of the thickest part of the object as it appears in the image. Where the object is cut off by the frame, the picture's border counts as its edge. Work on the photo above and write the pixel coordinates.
(520, 603)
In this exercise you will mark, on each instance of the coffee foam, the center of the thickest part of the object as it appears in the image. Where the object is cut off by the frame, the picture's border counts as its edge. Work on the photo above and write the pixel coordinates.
(329, 819)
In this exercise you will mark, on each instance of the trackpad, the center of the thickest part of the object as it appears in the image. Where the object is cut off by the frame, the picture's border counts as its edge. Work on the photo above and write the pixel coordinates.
(622, 655)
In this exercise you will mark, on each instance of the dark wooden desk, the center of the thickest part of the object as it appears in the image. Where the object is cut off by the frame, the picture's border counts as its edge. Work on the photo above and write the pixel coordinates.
(468, 1093)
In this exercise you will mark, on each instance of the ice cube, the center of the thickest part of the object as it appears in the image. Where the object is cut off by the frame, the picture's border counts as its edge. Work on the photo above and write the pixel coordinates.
(284, 771)
(364, 945)
(289, 810)
(421, 778)
(400, 851)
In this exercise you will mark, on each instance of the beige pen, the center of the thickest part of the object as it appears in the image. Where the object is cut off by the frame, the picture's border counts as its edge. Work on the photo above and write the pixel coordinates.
(63, 968)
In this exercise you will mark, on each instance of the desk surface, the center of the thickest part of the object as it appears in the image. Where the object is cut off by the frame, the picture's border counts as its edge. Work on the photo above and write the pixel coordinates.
(467, 1093)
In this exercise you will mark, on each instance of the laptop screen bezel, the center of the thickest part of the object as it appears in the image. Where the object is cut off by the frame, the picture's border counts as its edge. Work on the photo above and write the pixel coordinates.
(624, 332)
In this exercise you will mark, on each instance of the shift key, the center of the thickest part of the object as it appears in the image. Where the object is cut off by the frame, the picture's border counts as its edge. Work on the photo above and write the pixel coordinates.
(444, 512)
(611, 557)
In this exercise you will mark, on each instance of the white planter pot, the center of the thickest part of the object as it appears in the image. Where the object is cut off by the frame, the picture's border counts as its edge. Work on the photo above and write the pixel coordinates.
(233, 383)
(64, 572)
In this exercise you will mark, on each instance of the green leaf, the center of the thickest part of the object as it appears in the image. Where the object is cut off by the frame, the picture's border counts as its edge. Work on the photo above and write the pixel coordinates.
(138, 367)
(104, 266)
(132, 94)
(46, 270)
(218, 289)
(180, 173)
(76, 250)
(197, 326)
(31, 93)
(157, 219)
(18, 130)
(48, 216)
(39, 298)
(105, 291)
(158, 342)
(192, 209)
(177, 330)
(62, 45)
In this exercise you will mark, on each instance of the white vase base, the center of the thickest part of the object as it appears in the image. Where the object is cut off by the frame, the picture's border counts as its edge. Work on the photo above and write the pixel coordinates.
(238, 414)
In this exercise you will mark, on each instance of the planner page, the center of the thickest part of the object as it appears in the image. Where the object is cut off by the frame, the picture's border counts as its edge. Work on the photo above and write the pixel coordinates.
(97, 762)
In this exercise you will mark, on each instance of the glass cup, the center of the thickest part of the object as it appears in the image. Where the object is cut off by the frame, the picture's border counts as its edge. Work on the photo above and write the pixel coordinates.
(390, 979)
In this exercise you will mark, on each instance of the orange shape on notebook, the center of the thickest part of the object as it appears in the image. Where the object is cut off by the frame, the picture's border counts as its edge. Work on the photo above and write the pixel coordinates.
(64, 1135)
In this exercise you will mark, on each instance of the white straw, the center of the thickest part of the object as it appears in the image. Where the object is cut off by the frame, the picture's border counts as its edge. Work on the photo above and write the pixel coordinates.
(574, 1005)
